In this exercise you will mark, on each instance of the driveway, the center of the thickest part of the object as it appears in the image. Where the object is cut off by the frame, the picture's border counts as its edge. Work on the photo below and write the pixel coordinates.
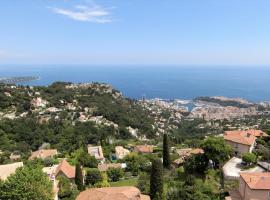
(232, 168)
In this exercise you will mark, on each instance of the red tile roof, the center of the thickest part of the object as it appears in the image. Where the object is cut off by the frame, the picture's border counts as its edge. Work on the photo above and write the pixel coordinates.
(144, 148)
(44, 153)
(256, 133)
(257, 181)
(241, 137)
(66, 169)
(112, 193)
(104, 167)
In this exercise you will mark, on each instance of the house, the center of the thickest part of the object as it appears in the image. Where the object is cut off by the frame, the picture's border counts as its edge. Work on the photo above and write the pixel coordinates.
(252, 186)
(97, 152)
(105, 166)
(121, 152)
(144, 149)
(241, 141)
(185, 154)
(256, 133)
(65, 169)
(112, 193)
(8, 169)
(43, 154)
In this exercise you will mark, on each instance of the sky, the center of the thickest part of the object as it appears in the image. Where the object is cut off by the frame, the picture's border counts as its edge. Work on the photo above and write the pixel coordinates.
(176, 32)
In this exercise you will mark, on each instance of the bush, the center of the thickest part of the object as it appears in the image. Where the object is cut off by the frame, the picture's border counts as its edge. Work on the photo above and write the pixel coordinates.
(144, 183)
(115, 174)
(180, 173)
(28, 182)
(93, 176)
(249, 158)
(67, 191)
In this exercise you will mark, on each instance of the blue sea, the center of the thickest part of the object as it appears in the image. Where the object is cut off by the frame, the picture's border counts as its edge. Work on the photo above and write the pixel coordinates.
(168, 82)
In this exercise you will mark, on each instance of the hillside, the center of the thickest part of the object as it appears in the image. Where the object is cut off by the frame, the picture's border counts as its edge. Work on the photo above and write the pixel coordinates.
(68, 115)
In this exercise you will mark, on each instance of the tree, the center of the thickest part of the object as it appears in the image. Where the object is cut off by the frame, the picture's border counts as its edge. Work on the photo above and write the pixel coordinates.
(249, 158)
(132, 161)
(79, 177)
(115, 174)
(67, 191)
(196, 163)
(166, 152)
(87, 160)
(28, 182)
(217, 150)
(143, 183)
(81, 156)
(156, 180)
(93, 176)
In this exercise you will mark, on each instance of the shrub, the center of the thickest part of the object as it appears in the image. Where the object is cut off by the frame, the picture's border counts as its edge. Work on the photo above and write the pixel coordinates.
(249, 158)
(115, 174)
(93, 176)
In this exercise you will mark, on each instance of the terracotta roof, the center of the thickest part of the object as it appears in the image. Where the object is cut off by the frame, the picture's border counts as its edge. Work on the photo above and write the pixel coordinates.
(257, 181)
(104, 167)
(241, 137)
(144, 148)
(121, 152)
(197, 151)
(112, 193)
(256, 133)
(96, 151)
(66, 169)
(189, 151)
(7, 170)
(43, 153)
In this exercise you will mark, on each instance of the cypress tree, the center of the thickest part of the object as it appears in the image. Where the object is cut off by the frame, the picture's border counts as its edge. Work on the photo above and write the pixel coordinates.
(156, 180)
(166, 152)
(79, 177)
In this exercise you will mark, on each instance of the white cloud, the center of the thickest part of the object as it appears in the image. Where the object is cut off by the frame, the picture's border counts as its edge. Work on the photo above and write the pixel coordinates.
(93, 13)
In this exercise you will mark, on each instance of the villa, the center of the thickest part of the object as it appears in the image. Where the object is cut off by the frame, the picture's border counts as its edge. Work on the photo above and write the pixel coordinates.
(144, 149)
(252, 186)
(97, 152)
(65, 169)
(43, 154)
(241, 141)
(121, 152)
(185, 154)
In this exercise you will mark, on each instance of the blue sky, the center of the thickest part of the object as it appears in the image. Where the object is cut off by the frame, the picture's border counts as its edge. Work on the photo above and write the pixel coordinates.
(177, 32)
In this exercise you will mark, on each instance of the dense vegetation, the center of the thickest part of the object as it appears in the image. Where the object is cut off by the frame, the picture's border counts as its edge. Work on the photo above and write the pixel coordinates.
(63, 130)
(27, 183)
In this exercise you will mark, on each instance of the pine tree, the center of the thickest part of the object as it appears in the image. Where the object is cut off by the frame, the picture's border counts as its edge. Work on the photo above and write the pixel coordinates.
(79, 177)
(156, 180)
(166, 152)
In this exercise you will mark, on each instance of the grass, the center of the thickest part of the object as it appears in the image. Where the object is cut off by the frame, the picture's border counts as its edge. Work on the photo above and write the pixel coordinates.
(125, 182)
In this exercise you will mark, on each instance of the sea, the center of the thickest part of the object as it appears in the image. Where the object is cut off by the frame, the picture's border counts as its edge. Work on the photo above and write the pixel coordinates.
(166, 82)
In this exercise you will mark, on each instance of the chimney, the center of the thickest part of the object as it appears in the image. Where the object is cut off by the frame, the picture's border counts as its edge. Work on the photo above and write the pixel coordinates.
(248, 134)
